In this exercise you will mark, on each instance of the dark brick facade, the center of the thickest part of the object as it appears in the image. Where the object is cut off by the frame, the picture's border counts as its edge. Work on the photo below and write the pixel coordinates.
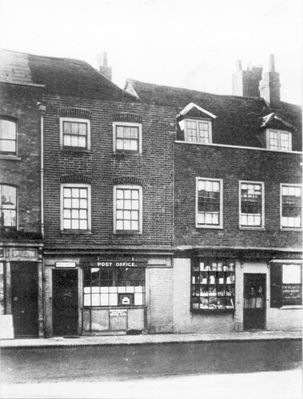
(153, 169)
(23, 171)
(232, 165)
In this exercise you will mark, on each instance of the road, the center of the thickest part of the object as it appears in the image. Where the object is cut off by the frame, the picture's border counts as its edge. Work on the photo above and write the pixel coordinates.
(135, 371)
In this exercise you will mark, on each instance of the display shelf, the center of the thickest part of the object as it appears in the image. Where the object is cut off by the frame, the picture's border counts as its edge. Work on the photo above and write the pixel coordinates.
(213, 286)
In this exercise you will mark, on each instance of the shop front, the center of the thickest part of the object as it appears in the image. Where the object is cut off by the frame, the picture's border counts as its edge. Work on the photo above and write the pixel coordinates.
(107, 295)
(114, 296)
(237, 291)
(21, 291)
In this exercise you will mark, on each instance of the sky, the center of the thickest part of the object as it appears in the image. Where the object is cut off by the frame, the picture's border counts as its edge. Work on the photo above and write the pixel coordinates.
(190, 43)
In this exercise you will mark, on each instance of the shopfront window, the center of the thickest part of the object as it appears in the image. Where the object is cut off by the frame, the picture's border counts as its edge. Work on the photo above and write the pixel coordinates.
(213, 285)
(112, 286)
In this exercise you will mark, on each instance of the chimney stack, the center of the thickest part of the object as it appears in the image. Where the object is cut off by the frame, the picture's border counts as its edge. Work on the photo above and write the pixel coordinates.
(104, 69)
(270, 84)
(246, 82)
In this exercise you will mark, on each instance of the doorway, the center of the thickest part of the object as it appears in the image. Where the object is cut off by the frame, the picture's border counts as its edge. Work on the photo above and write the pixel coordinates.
(65, 302)
(254, 301)
(24, 280)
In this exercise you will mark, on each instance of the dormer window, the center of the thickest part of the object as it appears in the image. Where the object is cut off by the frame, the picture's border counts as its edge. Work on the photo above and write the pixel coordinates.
(278, 140)
(195, 124)
(197, 131)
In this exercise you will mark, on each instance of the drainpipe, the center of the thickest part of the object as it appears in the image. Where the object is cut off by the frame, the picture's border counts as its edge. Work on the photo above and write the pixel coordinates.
(42, 109)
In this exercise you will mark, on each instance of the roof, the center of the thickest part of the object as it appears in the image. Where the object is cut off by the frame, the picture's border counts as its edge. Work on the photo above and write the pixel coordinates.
(59, 76)
(239, 119)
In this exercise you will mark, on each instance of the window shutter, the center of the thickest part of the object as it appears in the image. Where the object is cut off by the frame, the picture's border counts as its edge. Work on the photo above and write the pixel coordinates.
(275, 285)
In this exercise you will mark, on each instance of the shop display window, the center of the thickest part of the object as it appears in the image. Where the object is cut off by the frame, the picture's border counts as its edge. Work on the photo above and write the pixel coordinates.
(112, 286)
(213, 285)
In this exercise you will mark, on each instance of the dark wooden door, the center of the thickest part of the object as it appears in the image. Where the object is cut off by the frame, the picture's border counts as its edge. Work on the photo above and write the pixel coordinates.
(24, 280)
(65, 302)
(254, 301)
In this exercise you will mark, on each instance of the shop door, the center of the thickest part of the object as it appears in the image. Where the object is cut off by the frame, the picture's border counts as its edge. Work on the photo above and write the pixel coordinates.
(254, 301)
(65, 302)
(24, 280)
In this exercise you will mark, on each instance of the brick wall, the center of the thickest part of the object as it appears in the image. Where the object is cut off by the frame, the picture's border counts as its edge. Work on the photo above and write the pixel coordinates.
(232, 165)
(153, 168)
(23, 171)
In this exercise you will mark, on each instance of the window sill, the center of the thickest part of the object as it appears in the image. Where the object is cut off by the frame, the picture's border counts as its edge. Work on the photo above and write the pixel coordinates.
(126, 153)
(75, 149)
(288, 307)
(75, 232)
(115, 307)
(127, 233)
(212, 310)
(298, 229)
(10, 157)
(210, 227)
(252, 228)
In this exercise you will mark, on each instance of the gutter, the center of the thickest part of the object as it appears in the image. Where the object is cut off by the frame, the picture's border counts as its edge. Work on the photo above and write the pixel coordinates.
(42, 109)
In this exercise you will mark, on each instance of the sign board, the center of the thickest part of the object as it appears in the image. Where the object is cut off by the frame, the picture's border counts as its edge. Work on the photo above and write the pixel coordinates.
(291, 294)
(117, 263)
(24, 254)
(65, 264)
(118, 312)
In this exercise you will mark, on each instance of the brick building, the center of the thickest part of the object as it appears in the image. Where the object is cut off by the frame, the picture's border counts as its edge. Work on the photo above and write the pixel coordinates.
(152, 209)
(107, 202)
(237, 204)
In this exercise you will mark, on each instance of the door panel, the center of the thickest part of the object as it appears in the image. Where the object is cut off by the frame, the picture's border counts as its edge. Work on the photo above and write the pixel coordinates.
(65, 302)
(254, 301)
(24, 281)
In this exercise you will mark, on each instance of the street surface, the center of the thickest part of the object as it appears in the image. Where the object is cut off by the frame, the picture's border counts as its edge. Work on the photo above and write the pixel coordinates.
(255, 369)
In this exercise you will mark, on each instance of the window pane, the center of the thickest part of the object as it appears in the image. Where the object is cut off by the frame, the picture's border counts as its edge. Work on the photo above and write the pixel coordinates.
(7, 129)
(251, 204)
(291, 274)
(75, 210)
(208, 202)
(291, 206)
(75, 134)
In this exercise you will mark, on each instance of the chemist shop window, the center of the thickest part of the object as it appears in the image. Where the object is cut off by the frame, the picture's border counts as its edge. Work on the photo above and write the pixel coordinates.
(108, 286)
(213, 285)
(285, 284)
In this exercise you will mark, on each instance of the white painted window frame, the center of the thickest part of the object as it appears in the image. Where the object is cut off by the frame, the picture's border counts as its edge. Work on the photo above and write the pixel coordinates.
(15, 154)
(208, 226)
(75, 185)
(262, 227)
(281, 189)
(128, 124)
(278, 131)
(88, 139)
(128, 187)
(197, 120)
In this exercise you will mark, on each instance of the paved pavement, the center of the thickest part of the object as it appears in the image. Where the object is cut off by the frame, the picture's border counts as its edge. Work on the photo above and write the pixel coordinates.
(148, 339)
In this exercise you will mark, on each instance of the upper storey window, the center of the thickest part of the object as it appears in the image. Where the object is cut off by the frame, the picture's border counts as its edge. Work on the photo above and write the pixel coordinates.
(127, 137)
(279, 140)
(197, 131)
(251, 204)
(195, 124)
(8, 137)
(209, 203)
(291, 198)
(8, 206)
(75, 133)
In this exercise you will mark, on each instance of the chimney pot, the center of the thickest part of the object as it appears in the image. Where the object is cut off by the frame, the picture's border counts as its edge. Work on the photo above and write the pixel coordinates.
(272, 63)
(104, 69)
